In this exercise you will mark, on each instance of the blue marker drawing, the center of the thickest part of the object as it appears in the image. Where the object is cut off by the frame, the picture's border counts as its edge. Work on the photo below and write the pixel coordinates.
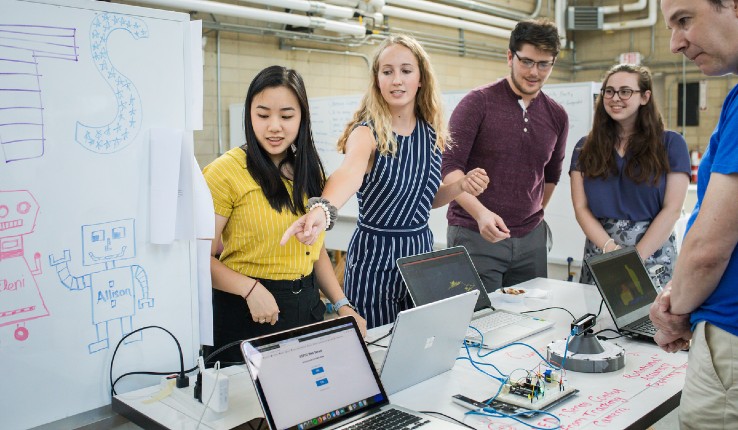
(112, 289)
(121, 131)
(22, 134)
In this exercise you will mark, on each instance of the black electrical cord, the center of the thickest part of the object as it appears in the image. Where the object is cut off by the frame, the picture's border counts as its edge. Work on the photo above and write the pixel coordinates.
(446, 416)
(552, 307)
(221, 349)
(600, 309)
(374, 342)
(610, 338)
(181, 379)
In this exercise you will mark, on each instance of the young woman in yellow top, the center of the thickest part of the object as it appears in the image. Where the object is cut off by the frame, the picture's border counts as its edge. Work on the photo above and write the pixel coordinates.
(258, 191)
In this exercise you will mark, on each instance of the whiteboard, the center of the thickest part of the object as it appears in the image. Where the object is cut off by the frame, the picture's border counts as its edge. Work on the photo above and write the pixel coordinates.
(331, 114)
(568, 238)
(81, 84)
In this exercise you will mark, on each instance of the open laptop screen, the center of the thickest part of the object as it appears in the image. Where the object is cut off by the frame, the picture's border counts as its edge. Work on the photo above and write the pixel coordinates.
(313, 376)
(623, 281)
(442, 274)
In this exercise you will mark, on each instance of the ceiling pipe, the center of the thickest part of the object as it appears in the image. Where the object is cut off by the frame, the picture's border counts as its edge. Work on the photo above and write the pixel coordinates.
(560, 20)
(310, 6)
(444, 21)
(495, 10)
(630, 7)
(454, 12)
(636, 23)
(260, 15)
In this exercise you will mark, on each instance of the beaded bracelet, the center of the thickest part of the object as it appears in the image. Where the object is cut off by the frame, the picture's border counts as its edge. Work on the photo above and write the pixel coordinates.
(331, 213)
(256, 281)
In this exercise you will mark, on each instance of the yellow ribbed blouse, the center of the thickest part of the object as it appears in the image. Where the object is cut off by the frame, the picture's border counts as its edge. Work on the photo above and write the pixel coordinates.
(251, 236)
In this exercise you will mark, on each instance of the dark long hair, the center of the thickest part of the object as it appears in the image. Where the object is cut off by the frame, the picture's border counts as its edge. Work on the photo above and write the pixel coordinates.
(308, 174)
(647, 155)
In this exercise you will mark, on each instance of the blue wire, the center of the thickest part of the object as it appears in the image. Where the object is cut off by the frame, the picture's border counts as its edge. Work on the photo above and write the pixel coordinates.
(491, 412)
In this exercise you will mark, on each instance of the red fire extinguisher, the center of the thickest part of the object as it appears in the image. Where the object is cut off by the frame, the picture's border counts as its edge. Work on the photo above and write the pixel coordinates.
(695, 157)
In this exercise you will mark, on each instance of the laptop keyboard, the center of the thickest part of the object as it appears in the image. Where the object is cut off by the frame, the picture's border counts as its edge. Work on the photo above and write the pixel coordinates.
(391, 419)
(645, 327)
(493, 321)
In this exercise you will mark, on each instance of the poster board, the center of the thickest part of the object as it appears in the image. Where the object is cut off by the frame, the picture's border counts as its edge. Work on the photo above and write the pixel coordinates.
(568, 238)
(81, 85)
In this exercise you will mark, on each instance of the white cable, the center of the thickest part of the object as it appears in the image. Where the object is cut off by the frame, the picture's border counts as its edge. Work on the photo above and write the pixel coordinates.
(210, 397)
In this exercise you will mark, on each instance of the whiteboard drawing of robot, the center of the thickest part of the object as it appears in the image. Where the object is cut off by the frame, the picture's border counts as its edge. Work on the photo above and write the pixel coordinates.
(22, 134)
(121, 131)
(112, 289)
(20, 298)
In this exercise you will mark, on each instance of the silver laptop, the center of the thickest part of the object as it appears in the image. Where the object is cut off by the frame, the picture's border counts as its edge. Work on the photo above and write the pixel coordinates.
(425, 342)
(626, 288)
(320, 376)
(448, 272)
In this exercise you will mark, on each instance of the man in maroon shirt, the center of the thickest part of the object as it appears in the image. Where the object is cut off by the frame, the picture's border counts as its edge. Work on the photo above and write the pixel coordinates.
(518, 135)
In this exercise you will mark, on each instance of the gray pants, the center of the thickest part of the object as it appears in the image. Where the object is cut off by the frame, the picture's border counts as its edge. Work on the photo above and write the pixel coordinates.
(508, 262)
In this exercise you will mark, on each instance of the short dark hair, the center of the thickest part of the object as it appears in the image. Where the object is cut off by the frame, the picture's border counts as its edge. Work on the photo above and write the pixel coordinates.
(541, 33)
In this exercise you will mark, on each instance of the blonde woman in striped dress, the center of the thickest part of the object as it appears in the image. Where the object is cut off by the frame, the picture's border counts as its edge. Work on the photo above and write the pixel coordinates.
(258, 190)
(393, 149)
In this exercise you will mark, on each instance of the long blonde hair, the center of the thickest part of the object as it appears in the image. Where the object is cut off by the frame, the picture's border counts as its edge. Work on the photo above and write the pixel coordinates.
(374, 108)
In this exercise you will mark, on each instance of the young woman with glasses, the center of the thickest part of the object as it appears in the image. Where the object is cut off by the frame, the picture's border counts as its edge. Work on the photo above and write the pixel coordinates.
(629, 176)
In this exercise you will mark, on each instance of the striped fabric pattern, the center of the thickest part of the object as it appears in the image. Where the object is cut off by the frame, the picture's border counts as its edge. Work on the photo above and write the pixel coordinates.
(394, 206)
(251, 236)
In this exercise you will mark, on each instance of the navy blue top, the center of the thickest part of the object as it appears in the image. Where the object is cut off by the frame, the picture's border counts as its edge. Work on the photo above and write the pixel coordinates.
(618, 197)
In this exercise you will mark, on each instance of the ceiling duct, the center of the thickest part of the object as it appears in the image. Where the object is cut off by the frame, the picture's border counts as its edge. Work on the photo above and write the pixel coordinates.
(584, 18)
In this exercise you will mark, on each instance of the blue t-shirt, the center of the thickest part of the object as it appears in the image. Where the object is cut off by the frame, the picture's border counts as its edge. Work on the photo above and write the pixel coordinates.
(721, 156)
(618, 197)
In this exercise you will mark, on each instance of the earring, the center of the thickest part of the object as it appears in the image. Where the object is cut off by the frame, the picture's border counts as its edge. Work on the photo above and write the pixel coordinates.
(293, 148)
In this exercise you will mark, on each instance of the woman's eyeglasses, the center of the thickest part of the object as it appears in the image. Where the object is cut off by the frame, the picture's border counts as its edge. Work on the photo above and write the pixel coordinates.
(543, 66)
(623, 93)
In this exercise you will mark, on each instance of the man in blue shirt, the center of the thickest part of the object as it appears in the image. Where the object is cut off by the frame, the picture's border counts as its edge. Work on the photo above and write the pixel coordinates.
(701, 301)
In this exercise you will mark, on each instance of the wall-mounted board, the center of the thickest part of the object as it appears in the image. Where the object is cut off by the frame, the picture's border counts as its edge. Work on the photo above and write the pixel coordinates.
(81, 85)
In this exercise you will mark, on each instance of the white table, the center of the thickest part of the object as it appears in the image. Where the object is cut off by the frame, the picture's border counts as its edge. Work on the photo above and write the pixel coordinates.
(646, 389)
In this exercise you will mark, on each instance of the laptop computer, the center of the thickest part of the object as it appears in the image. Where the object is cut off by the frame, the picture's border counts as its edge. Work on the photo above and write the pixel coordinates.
(320, 376)
(626, 288)
(425, 342)
(448, 272)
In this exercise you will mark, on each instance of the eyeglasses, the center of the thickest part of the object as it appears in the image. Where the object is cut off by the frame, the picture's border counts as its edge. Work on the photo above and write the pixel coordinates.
(543, 66)
(623, 93)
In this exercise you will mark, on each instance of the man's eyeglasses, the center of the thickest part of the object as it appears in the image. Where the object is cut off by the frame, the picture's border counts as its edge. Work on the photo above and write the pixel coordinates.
(543, 66)
(623, 93)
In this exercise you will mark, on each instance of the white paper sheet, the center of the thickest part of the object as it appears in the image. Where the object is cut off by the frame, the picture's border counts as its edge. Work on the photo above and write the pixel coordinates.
(204, 210)
(197, 76)
(185, 224)
(166, 147)
(205, 292)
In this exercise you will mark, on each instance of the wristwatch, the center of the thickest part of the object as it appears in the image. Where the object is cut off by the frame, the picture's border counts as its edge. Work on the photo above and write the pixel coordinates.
(341, 303)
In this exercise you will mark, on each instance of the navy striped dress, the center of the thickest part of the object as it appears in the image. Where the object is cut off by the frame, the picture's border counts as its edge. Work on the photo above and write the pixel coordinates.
(394, 206)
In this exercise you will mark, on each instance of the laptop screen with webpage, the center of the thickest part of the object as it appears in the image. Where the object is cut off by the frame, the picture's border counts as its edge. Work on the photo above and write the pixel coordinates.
(313, 376)
(441, 274)
(624, 284)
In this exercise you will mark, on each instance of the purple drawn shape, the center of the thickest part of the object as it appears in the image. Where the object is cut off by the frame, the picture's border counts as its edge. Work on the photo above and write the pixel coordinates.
(21, 120)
